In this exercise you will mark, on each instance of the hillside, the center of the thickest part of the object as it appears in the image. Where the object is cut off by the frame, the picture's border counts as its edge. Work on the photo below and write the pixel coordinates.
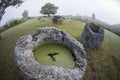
(113, 28)
(116, 26)
(103, 63)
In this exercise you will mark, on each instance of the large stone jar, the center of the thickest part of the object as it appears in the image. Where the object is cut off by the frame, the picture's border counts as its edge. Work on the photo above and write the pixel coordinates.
(30, 69)
(92, 36)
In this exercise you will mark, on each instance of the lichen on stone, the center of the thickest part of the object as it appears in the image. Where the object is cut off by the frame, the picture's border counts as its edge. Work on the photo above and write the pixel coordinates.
(30, 69)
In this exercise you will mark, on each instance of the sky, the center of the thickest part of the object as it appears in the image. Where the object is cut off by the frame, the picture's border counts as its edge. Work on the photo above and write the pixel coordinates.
(105, 10)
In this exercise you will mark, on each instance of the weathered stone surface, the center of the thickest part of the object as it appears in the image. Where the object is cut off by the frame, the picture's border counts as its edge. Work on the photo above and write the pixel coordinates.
(92, 36)
(30, 69)
(57, 20)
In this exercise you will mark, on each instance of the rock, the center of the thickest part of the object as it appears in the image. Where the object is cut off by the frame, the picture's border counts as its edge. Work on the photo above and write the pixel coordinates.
(30, 69)
(57, 20)
(92, 36)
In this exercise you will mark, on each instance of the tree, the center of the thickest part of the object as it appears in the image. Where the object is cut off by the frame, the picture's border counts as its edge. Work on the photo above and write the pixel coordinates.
(93, 16)
(6, 3)
(25, 13)
(49, 9)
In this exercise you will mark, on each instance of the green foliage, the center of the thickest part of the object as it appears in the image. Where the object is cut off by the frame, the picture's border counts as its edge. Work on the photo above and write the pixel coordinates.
(2, 29)
(49, 9)
(12, 23)
(15, 2)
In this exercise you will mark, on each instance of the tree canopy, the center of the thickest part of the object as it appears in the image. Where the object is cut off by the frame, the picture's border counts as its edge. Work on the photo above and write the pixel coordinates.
(49, 9)
(6, 3)
(25, 13)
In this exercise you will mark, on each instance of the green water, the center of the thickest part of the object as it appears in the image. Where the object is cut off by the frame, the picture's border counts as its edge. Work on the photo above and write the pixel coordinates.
(63, 59)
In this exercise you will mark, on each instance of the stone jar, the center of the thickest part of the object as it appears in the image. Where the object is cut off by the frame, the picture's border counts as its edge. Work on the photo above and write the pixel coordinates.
(92, 36)
(30, 69)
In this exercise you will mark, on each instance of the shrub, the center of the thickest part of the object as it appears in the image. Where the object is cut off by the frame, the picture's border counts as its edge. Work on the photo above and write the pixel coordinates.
(13, 23)
(2, 29)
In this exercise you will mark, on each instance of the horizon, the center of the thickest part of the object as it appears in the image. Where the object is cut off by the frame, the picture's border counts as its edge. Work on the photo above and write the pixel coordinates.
(108, 11)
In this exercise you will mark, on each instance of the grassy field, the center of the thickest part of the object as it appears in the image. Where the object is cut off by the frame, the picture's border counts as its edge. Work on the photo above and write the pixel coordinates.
(103, 63)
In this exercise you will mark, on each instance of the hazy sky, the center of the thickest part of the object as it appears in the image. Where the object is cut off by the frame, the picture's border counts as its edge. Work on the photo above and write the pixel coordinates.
(105, 10)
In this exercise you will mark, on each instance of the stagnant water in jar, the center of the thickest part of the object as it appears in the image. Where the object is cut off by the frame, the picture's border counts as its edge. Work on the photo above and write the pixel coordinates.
(54, 54)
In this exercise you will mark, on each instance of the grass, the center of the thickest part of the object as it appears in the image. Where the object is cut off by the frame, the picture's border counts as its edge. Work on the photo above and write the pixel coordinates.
(13, 23)
(63, 59)
(103, 63)
(105, 25)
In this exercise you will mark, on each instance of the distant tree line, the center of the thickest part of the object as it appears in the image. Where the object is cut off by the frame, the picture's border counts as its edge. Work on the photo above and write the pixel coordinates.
(12, 23)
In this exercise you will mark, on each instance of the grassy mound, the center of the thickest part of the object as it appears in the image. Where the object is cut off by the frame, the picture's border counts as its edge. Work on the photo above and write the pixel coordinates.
(103, 63)
(64, 57)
